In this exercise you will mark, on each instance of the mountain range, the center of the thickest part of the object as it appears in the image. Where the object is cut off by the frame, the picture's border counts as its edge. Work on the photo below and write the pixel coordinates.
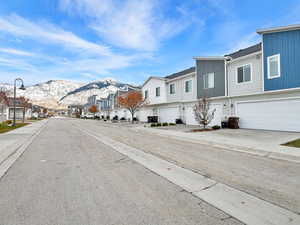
(58, 94)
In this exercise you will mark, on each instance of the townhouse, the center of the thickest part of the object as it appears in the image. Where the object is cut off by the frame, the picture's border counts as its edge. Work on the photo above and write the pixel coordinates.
(274, 102)
(170, 98)
(259, 84)
(109, 107)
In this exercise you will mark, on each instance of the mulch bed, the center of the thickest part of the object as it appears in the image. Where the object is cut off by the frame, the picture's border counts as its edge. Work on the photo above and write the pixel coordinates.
(201, 130)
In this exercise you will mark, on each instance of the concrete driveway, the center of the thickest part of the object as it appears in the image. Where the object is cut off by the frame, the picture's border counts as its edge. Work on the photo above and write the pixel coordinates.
(255, 138)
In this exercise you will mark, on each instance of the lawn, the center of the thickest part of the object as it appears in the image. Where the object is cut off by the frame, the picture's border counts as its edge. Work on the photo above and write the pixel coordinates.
(5, 128)
(295, 143)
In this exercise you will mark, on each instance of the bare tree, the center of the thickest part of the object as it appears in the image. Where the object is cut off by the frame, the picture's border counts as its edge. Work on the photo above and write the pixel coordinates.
(203, 113)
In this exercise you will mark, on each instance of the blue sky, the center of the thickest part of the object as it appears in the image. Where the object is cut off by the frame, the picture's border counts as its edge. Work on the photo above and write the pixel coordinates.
(129, 40)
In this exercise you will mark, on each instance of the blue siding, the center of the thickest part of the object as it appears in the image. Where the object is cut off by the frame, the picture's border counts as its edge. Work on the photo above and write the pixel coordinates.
(287, 44)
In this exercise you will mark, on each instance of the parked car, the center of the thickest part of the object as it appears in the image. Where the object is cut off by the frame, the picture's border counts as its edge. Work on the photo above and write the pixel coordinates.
(88, 116)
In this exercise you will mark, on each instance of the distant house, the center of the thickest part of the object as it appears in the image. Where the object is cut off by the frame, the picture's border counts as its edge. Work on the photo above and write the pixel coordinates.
(75, 110)
(3, 107)
(23, 108)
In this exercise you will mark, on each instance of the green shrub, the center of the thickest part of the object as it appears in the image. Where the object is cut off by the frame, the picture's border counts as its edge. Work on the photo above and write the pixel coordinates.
(153, 125)
(158, 124)
(2, 125)
(172, 124)
(216, 127)
(165, 124)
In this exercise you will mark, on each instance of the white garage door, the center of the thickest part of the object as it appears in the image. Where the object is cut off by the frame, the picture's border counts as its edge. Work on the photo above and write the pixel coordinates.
(283, 115)
(190, 118)
(168, 115)
(143, 114)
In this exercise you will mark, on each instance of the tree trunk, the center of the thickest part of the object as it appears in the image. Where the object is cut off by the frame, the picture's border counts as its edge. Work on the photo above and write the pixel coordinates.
(132, 116)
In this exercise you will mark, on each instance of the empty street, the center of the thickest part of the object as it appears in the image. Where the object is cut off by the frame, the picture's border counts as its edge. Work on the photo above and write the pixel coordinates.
(67, 176)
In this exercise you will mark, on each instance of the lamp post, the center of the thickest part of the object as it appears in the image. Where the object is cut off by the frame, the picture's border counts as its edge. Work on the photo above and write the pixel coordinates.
(15, 93)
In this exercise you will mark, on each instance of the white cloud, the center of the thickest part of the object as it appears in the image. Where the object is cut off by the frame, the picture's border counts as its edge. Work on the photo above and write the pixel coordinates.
(49, 33)
(90, 57)
(132, 24)
(15, 52)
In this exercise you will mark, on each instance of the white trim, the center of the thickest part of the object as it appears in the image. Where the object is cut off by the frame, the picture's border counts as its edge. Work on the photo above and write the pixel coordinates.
(191, 91)
(207, 74)
(268, 100)
(279, 66)
(244, 57)
(278, 29)
(181, 77)
(210, 58)
(236, 74)
(157, 88)
(263, 64)
(157, 78)
(169, 88)
(226, 78)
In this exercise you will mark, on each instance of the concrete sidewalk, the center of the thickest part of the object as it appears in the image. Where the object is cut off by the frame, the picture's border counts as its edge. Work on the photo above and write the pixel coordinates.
(234, 142)
(12, 141)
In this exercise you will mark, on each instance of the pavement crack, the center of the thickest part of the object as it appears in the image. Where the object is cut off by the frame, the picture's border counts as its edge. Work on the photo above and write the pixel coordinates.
(124, 159)
(210, 186)
(226, 218)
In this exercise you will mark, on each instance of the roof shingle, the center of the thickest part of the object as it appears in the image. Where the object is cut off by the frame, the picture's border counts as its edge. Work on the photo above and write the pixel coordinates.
(245, 51)
(181, 73)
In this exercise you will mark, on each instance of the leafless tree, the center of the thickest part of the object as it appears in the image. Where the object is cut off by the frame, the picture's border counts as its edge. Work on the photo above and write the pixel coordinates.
(203, 112)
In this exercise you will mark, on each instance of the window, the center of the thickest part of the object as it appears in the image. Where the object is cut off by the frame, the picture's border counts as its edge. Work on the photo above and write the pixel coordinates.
(146, 94)
(244, 74)
(274, 66)
(157, 91)
(172, 89)
(188, 86)
(209, 80)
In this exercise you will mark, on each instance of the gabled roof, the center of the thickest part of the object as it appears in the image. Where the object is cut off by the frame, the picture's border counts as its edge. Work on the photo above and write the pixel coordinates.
(152, 77)
(245, 51)
(181, 73)
(279, 29)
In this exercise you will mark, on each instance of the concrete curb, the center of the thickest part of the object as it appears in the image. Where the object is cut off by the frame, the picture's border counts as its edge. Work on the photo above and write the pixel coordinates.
(16, 150)
(252, 151)
(240, 205)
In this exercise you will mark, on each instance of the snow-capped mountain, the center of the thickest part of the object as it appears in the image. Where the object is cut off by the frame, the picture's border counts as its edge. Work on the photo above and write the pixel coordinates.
(60, 93)
(101, 88)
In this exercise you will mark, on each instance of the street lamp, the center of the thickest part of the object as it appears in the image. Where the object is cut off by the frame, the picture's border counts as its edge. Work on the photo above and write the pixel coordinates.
(15, 93)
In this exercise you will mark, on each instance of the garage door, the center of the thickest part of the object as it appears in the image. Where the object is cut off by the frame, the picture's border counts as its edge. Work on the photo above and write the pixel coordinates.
(168, 115)
(283, 115)
(190, 118)
(143, 114)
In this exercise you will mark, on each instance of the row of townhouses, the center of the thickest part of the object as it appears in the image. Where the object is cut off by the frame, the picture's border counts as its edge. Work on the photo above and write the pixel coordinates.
(106, 106)
(259, 84)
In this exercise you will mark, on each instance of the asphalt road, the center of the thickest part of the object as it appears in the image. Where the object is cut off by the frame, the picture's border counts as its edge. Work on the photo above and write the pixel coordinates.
(68, 178)
(275, 181)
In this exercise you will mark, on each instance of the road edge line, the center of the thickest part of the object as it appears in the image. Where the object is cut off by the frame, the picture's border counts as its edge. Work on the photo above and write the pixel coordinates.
(240, 205)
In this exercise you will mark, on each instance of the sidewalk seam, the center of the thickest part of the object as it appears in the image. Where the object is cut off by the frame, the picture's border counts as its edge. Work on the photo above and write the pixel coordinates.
(17, 153)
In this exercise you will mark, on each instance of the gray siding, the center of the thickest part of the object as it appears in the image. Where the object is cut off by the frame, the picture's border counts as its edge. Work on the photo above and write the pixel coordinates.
(211, 66)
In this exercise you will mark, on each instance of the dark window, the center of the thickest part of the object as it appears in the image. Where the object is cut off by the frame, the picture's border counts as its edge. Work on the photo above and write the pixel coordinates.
(157, 91)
